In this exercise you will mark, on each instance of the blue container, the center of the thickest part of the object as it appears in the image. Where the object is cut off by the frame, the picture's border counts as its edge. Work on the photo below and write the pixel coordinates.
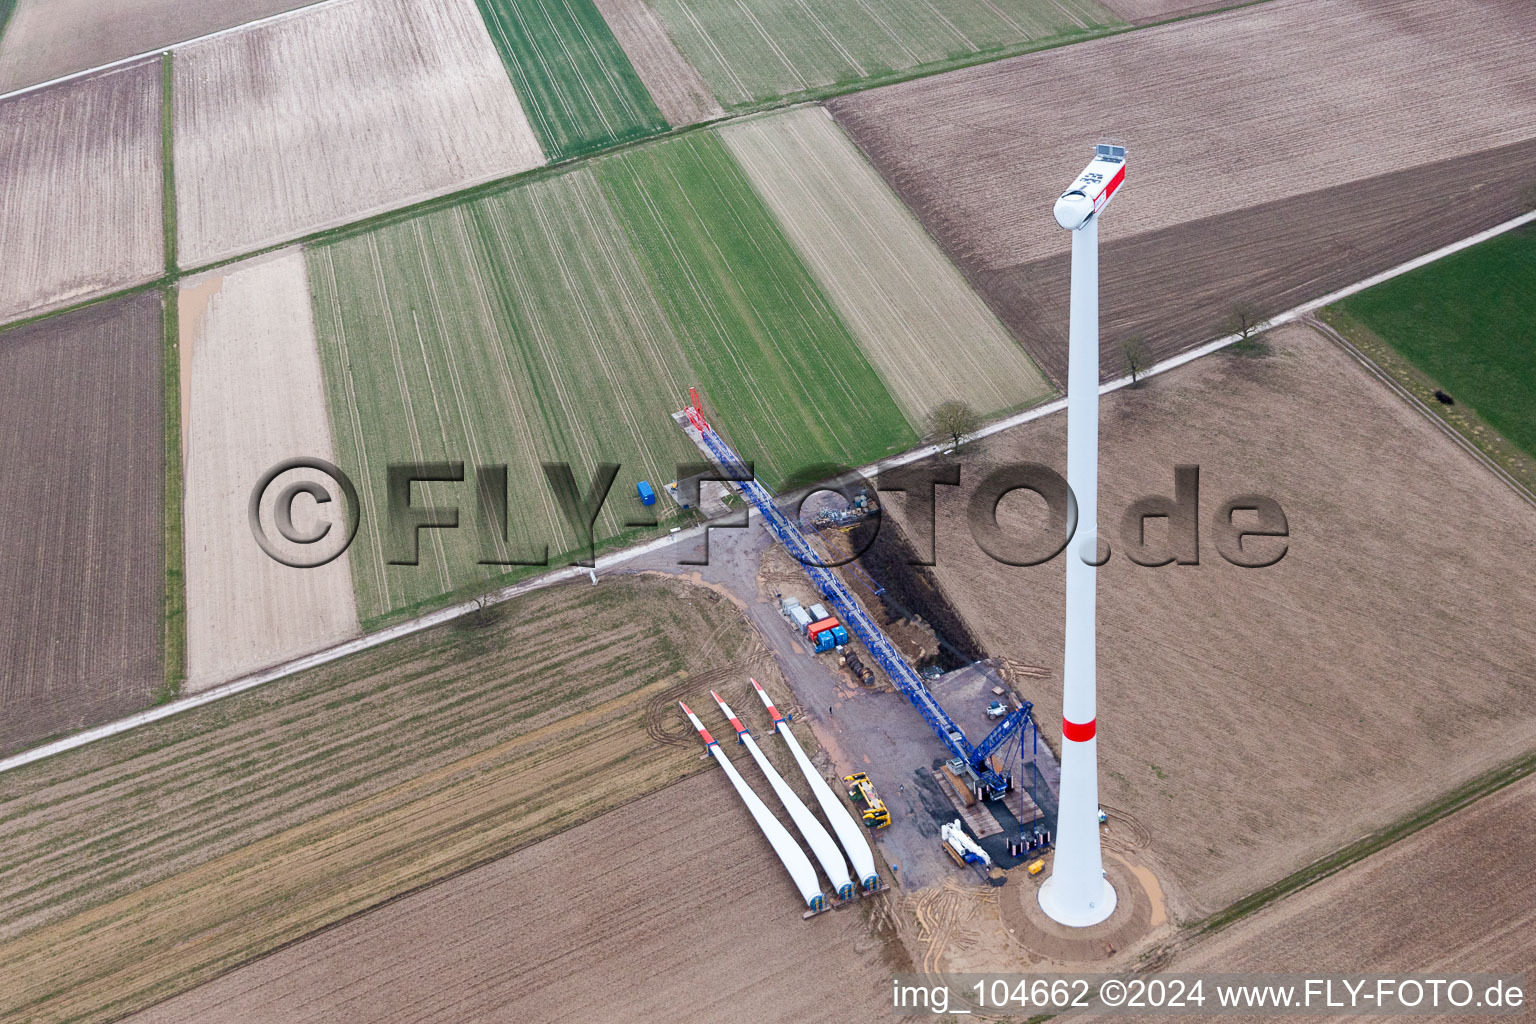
(839, 634)
(824, 641)
(647, 494)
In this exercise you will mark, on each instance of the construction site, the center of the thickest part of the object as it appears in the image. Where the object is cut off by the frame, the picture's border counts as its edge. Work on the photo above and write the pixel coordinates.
(649, 510)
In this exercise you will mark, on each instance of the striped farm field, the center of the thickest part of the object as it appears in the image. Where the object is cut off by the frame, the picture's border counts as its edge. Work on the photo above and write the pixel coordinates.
(928, 334)
(563, 320)
(753, 52)
(138, 867)
(48, 39)
(785, 379)
(577, 85)
(335, 113)
(516, 330)
(80, 187)
(252, 397)
(82, 566)
(674, 84)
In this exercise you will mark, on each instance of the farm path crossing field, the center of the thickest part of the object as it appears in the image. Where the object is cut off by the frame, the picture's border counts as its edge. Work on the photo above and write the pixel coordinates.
(574, 80)
(753, 52)
(82, 473)
(1455, 893)
(930, 337)
(47, 39)
(80, 186)
(1467, 321)
(1282, 204)
(253, 397)
(333, 114)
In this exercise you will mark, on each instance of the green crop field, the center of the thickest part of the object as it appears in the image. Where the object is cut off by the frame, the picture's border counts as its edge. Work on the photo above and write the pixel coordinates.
(788, 383)
(1467, 322)
(749, 53)
(578, 87)
(507, 331)
(563, 320)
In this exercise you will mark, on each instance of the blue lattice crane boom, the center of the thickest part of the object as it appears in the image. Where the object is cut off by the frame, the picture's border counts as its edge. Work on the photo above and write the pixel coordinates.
(859, 622)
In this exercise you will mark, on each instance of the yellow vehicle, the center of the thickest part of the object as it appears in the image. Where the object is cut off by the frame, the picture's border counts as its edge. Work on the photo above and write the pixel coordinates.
(863, 791)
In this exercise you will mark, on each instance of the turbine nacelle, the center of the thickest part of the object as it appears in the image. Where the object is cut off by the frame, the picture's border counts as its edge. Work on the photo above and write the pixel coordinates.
(1093, 189)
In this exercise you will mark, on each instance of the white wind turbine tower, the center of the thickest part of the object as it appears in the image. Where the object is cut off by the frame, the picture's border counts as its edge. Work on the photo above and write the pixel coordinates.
(1077, 893)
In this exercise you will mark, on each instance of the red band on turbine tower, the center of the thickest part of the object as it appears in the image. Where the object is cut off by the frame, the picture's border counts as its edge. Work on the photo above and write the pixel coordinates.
(1079, 733)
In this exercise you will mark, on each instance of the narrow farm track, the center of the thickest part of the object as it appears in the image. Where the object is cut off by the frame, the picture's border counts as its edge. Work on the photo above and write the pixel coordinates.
(533, 338)
(1380, 589)
(1448, 896)
(1280, 206)
(48, 39)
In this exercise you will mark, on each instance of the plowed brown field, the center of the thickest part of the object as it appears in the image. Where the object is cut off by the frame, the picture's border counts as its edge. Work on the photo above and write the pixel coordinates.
(81, 481)
(1455, 895)
(1451, 898)
(672, 909)
(137, 867)
(1140, 12)
(1264, 143)
(1254, 720)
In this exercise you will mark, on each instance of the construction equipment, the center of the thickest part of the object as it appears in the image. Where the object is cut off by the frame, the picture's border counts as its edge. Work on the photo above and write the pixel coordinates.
(963, 848)
(798, 616)
(1036, 866)
(827, 625)
(874, 813)
(997, 709)
(987, 779)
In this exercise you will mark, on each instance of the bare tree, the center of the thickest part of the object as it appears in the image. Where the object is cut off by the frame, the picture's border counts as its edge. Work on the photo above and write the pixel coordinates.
(483, 614)
(1137, 357)
(1244, 320)
(953, 423)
